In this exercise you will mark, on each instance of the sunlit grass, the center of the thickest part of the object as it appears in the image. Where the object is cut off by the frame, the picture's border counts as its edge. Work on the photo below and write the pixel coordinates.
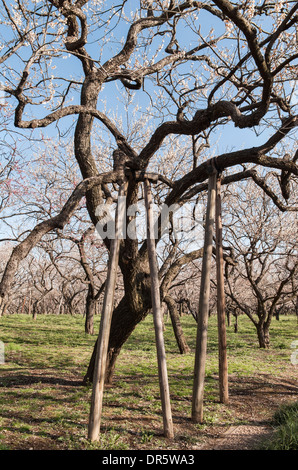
(285, 421)
(44, 404)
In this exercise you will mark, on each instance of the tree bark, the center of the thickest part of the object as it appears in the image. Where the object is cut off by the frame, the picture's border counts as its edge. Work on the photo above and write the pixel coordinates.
(90, 312)
(3, 307)
(263, 335)
(178, 331)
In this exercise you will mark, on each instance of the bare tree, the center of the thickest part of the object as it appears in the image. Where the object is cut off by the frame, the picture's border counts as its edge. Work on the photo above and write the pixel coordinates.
(264, 243)
(94, 292)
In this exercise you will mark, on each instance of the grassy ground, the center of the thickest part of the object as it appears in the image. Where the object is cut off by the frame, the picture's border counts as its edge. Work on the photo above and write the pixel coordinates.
(43, 404)
(286, 423)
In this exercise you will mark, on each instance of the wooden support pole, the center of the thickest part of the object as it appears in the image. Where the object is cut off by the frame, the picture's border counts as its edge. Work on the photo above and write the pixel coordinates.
(157, 316)
(201, 341)
(221, 321)
(105, 323)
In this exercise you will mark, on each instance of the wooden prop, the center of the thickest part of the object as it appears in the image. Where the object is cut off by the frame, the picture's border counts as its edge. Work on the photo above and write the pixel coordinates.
(201, 340)
(222, 341)
(157, 316)
(105, 324)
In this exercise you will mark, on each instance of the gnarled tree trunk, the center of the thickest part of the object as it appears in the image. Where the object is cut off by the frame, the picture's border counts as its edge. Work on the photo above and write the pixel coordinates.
(178, 331)
(90, 312)
(263, 335)
(130, 311)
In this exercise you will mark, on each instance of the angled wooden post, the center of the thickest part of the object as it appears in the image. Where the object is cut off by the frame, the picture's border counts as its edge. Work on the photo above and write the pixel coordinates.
(221, 321)
(201, 341)
(157, 316)
(105, 323)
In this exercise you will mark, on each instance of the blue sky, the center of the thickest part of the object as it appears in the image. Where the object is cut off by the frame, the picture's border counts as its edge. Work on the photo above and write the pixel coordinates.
(227, 138)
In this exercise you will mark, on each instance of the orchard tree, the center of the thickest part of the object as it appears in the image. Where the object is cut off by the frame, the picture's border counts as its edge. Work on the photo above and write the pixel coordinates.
(199, 75)
(93, 268)
(264, 241)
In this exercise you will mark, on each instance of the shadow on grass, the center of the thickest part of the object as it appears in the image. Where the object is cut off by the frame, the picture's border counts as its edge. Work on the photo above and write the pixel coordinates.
(262, 384)
(22, 379)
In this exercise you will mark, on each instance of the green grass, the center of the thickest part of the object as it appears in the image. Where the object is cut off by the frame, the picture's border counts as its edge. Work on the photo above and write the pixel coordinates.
(44, 405)
(285, 421)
